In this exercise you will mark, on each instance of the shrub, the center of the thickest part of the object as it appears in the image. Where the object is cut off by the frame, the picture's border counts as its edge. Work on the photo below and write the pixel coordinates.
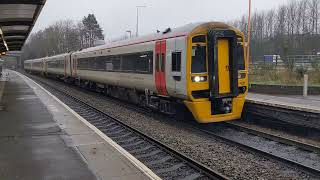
(315, 63)
(301, 71)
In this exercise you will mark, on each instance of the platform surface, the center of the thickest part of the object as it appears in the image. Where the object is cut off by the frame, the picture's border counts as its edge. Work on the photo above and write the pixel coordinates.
(308, 104)
(41, 139)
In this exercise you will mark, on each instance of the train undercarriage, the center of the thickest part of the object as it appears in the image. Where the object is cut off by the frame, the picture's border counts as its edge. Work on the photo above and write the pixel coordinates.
(146, 99)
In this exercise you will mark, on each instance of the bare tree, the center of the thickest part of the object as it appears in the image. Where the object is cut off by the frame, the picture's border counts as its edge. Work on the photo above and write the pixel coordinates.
(290, 29)
(61, 37)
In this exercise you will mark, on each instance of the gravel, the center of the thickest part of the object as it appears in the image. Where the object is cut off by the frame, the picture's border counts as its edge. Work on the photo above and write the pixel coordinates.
(307, 158)
(227, 159)
(280, 133)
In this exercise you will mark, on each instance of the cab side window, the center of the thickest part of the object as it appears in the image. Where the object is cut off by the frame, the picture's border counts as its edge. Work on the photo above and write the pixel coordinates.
(176, 62)
(240, 54)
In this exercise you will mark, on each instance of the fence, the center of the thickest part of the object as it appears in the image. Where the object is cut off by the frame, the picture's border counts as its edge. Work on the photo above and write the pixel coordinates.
(308, 62)
(288, 71)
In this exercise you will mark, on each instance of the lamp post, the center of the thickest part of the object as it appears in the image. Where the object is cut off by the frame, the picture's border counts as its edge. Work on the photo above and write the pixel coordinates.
(249, 34)
(137, 30)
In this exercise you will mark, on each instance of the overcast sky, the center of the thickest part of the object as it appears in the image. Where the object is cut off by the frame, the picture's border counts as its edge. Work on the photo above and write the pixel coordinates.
(117, 16)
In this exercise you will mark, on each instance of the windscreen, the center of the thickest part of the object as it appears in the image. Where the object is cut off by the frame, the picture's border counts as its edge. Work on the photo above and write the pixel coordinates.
(199, 56)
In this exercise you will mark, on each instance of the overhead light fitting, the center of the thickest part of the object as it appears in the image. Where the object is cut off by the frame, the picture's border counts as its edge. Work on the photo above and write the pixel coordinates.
(5, 44)
(4, 41)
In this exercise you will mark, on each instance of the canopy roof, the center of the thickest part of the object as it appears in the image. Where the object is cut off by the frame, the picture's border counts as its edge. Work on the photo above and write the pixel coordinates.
(17, 18)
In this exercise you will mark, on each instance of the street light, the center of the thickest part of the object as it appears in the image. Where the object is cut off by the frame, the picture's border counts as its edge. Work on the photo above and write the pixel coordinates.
(137, 30)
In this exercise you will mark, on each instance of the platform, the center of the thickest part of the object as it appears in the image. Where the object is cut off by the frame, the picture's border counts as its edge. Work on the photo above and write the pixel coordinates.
(295, 110)
(40, 138)
(300, 103)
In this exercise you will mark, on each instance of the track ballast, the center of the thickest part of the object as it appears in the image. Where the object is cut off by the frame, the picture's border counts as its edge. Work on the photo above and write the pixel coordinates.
(126, 105)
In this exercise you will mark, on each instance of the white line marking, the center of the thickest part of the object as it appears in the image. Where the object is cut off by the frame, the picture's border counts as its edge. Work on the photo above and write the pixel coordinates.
(125, 153)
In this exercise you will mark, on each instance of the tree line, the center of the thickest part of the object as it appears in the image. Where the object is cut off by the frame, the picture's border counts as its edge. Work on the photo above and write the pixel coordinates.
(62, 37)
(291, 29)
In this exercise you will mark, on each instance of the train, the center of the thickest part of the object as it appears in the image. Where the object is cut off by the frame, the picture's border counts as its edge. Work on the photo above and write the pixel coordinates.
(198, 69)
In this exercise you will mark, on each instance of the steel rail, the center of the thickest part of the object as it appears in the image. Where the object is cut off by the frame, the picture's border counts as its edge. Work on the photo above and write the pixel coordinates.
(288, 141)
(257, 151)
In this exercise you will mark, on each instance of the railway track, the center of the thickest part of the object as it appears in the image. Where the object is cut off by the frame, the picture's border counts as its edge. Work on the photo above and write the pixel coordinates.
(296, 160)
(166, 162)
(278, 138)
(314, 169)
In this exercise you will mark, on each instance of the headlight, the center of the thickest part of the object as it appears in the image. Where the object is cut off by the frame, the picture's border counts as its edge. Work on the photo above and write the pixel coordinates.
(199, 79)
(242, 75)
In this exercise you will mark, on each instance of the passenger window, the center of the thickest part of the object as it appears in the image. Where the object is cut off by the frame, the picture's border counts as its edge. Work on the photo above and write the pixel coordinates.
(115, 63)
(128, 62)
(143, 61)
(176, 62)
(82, 64)
(61, 64)
(100, 63)
(199, 56)
(109, 66)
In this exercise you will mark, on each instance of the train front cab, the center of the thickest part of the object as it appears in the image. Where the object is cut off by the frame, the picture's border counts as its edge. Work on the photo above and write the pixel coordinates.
(217, 82)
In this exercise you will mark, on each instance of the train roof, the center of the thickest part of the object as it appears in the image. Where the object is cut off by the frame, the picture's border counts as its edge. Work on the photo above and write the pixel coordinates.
(168, 33)
(33, 60)
(47, 58)
(56, 56)
(176, 32)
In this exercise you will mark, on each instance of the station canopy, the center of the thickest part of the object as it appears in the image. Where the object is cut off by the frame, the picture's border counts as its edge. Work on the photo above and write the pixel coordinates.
(17, 18)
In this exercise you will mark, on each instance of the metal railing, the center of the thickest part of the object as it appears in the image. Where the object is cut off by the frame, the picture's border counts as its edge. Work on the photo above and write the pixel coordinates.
(309, 62)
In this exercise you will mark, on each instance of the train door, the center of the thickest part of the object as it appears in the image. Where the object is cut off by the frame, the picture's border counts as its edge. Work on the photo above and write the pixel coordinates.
(44, 67)
(69, 65)
(65, 66)
(74, 66)
(177, 65)
(223, 69)
(160, 69)
(223, 66)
